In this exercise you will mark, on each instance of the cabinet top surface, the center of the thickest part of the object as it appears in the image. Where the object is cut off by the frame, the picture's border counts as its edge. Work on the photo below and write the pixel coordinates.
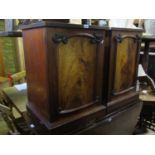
(59, 25)
(72, 26)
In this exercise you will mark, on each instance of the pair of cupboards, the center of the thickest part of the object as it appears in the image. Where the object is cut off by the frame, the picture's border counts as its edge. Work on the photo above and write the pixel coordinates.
(76, 75)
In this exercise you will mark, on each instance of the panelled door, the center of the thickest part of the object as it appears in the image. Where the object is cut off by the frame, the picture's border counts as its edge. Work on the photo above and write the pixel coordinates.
(79, 59)
(123, 62)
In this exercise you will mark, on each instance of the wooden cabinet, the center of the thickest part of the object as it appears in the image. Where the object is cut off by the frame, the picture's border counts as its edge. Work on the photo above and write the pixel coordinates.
(75, 75)
(64, 72)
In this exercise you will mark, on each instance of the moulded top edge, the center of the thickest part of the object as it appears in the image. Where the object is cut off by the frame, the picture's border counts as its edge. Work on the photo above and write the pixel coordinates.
(126, 29)
(60, 25)
(66, 25)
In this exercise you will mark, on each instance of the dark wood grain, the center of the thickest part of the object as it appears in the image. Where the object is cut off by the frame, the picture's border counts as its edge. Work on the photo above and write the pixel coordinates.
(36, 69)
(125, 65)
(76, 69)
(123, 62)
(77, 66)
(65, 77)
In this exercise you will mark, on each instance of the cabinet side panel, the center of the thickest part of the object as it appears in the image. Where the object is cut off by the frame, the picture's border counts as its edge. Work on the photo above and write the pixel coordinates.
(35, 59)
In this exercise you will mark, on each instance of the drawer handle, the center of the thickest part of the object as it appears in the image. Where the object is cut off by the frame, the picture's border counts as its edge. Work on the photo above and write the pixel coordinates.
(58, 38)
(120, 38)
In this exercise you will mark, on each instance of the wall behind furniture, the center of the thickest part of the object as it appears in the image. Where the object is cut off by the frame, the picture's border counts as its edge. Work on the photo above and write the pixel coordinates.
(11, 54)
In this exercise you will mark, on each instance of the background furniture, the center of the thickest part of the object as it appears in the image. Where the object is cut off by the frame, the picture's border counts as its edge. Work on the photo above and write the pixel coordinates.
(148, 55)
(19, 77)
(147, 116)
(16, 98)
(11, 51)
(19, 122)
(13, 103)
(78, 77)
(145, 57)
(4, 82)
(7, 115)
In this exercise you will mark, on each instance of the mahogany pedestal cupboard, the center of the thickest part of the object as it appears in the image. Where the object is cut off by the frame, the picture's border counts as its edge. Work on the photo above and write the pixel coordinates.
(81, 77)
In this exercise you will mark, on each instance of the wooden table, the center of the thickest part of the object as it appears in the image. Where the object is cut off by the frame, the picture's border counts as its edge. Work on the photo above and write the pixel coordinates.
(149, 99)
(147, 116)
(17, 99)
